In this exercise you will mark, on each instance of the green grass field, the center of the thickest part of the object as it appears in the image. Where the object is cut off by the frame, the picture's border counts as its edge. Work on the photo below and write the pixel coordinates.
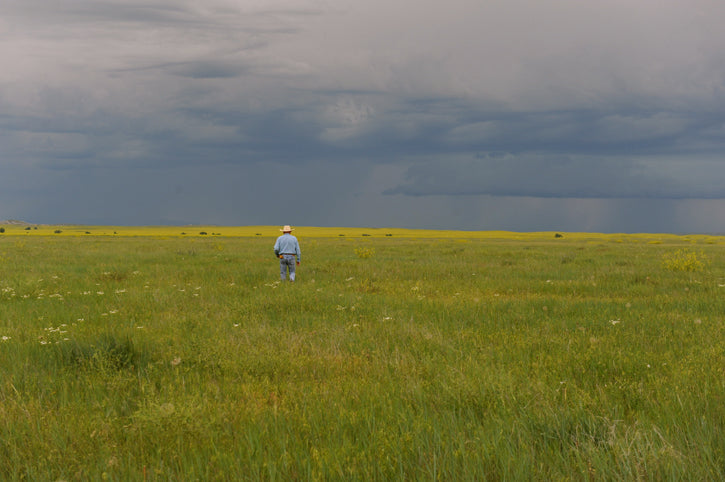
(154, 355)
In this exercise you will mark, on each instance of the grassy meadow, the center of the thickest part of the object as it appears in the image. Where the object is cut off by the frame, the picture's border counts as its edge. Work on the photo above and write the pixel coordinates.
(148, 354)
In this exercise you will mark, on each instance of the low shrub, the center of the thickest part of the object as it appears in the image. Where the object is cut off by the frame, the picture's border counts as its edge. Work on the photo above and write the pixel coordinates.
(109, 351)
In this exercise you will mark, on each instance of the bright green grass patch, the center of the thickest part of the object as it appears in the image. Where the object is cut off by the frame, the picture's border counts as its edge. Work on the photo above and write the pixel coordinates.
(179, 357)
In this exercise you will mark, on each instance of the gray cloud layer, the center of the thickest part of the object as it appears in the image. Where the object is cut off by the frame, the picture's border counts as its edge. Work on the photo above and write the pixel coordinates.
(559, 177)
(372, 112)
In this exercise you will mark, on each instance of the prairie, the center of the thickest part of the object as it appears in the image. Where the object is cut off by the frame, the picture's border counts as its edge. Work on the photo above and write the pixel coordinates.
(148, 354)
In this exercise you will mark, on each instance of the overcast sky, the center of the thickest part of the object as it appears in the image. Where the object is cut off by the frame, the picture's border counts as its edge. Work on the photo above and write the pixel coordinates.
(524, 115)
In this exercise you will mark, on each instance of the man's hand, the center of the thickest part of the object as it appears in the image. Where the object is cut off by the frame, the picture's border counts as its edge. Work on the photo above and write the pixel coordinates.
(298, 263)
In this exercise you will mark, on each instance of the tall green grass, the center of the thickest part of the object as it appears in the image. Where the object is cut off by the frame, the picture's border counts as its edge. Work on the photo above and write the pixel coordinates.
(389, 359)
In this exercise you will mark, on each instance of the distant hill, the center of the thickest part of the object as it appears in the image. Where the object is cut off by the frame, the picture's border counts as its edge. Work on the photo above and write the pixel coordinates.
(15, 222)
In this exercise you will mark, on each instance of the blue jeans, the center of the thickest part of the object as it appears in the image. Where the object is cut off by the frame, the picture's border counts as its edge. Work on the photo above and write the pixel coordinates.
(287, 261)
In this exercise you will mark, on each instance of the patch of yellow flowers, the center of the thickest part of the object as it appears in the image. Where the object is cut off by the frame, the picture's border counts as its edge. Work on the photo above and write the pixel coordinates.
(685, 260)
(350, 232)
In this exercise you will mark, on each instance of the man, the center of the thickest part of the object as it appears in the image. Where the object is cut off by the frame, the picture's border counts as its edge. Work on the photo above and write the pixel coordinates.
(286, 249)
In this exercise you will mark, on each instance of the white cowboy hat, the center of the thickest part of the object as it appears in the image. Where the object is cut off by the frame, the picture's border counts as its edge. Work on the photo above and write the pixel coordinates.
(286, 229)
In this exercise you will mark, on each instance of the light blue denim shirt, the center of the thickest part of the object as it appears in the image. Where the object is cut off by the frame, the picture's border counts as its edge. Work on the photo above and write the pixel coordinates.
(287, 244)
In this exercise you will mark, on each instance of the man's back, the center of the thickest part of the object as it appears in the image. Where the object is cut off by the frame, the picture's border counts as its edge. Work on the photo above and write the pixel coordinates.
(287, 244)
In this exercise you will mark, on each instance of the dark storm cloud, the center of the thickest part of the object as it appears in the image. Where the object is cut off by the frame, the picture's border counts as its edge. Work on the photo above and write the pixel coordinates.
(565, 177)
(208, 70)
(584, 154)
